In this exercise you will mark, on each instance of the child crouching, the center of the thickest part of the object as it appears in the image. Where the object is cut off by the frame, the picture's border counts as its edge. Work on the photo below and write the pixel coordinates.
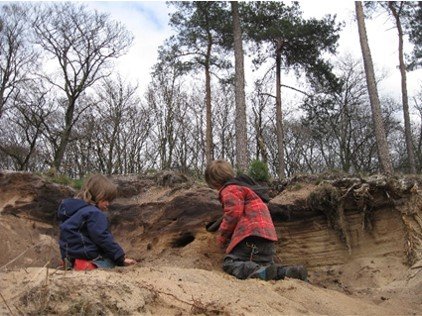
(246, 231)
(85, 240)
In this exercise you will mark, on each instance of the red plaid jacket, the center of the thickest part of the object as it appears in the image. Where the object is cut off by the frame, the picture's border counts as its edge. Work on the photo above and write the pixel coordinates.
(244, 215)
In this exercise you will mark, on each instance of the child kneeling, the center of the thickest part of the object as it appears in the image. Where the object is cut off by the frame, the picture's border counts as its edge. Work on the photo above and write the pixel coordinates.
(85, 240)
(246, 230)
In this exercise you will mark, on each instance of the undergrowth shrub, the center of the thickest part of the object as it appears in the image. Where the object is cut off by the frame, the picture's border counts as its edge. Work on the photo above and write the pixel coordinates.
(258, 170)
(65, 180)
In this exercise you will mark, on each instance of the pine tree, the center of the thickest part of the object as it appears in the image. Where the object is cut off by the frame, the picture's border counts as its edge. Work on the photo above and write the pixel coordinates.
(380, 136)
(280, 31)
(202, 33)
(241, 122)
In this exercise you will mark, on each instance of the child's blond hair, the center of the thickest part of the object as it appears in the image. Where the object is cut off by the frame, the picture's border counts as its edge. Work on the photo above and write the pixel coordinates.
(218, 172)
(97, 188)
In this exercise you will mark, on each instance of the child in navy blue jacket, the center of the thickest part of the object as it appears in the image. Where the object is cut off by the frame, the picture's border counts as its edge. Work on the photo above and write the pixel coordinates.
(85, 240)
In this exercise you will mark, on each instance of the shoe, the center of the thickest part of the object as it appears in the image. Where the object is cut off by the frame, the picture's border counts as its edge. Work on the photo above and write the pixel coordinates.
(266, 273)
(294, 272)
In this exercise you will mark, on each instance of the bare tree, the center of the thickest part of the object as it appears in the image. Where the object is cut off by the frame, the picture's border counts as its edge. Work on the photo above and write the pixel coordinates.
(81, 155)
(26, 122)
(260, 103)
(165, 99)
(111, 137)
(380, 136)
(396, 9)
(17, 57)
(83, 42)
(197, 145)
(418, 141)
(224, 124)
(115, 98)
(303, 152)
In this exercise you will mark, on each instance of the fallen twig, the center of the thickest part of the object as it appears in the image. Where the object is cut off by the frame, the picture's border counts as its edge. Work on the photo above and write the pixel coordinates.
(18, 309)
(46, 273)
(7, 305)
(13, 260)
(39, 272)
(152, 289)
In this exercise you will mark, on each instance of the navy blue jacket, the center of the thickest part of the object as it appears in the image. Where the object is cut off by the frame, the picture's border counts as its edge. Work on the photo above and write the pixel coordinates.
(84, 232)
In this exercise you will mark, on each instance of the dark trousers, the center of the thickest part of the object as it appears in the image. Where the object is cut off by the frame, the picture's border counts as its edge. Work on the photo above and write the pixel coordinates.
(248, 257)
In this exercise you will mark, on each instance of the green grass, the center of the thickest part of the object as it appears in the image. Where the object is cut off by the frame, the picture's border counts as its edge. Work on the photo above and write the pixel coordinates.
(65, 180)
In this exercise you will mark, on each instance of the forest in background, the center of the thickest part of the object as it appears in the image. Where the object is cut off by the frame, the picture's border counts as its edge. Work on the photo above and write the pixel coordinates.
(64, 108)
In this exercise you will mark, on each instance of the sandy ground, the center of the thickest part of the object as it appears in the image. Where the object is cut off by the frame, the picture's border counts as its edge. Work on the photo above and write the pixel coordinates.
(175, 291)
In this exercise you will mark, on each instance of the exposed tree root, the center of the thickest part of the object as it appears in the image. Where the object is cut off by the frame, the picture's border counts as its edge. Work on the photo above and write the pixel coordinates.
(334, 198)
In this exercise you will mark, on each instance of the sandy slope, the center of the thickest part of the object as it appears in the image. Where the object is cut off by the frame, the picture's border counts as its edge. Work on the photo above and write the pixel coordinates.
(169, 283)
(172, 291)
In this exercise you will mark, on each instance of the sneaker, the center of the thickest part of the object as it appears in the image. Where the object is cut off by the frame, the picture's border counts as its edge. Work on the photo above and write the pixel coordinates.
(266, 273)
(294, 272)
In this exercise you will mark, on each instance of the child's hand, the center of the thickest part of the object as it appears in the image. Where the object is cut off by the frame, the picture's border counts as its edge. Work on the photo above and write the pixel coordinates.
(129, 261)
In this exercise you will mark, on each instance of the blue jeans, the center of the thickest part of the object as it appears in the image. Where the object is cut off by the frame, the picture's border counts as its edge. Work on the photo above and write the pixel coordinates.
(103, 263)
(249, 257)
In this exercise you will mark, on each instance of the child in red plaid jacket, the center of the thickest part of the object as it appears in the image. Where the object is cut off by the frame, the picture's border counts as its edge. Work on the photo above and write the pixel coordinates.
(246, 231)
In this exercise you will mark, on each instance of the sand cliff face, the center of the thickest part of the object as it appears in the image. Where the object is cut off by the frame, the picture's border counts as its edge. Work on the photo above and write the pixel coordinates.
(314, 240)
(360, 239)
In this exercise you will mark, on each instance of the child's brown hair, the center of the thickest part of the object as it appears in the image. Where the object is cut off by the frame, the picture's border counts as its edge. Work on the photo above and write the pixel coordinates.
(218, 172)
(97, 188)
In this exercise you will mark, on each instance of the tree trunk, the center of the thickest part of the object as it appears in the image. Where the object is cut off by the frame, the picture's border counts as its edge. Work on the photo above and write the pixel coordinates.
(279, 113)
(241, 122)
(1, 102)
(111, 153)
(380, 136)
(261, 151)
(65, 135)
(209, 150)
(405, 99)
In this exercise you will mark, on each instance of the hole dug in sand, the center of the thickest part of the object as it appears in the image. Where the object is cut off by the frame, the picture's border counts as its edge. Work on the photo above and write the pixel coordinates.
(183, 240)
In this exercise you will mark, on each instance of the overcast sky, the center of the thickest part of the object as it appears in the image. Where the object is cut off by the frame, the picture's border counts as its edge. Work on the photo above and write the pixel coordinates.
(148, 21)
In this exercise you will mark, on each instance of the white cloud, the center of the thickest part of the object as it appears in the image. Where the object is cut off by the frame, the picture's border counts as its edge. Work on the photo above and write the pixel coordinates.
(383, 42)
(148, 21)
